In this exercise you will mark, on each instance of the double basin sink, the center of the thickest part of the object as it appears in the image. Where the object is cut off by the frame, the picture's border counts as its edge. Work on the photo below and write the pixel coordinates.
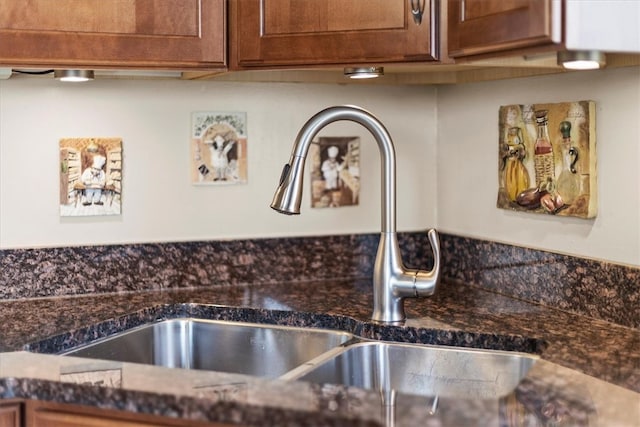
(315, 355)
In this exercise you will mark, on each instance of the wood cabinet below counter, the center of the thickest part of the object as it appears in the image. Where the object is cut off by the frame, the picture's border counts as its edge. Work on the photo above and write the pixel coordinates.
(10, 413)
(46, 414)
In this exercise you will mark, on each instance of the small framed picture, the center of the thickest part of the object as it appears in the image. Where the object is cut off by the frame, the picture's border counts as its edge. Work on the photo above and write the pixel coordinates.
(335, 172)
(547, 159)
(218, 148)
(90, 176)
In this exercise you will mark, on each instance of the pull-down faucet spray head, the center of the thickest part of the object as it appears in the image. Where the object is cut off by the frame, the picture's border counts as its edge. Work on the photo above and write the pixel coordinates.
(288, 195)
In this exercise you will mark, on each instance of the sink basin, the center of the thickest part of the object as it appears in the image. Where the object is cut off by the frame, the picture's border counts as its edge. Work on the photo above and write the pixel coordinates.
(421, 370)
(315, 355)
(243, 348)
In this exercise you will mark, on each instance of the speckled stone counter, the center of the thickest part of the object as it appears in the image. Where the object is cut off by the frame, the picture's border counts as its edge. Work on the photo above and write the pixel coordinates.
(588, 372)
(598, 289)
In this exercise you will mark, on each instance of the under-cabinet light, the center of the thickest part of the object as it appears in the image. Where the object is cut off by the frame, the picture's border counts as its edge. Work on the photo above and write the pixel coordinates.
(73, 75)
(364, 72)
(581, 59)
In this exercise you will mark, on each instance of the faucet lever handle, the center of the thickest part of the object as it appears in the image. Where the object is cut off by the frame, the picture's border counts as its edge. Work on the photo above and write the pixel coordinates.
(434, 240)
(426, 282)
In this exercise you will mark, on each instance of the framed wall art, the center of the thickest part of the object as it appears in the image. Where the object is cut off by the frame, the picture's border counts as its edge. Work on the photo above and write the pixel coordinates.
(335, 171)
(547, 159)
(218, 148)
(90, 176)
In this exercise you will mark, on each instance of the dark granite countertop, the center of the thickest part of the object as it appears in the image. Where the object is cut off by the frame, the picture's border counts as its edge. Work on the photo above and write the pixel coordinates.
(588, 372)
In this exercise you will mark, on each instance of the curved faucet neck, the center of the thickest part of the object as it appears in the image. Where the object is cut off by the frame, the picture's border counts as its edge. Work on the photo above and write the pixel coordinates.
(385, 145)
(392, 282)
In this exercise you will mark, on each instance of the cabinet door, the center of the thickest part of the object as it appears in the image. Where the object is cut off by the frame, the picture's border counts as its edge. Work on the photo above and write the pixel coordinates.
(10, 414)
(113, 33)
(320, 32)
(483, 26)
(46, 414)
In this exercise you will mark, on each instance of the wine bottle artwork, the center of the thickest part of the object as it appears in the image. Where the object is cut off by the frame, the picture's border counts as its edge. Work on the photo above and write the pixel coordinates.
(547, 160)
(569, 179)
(516, 176)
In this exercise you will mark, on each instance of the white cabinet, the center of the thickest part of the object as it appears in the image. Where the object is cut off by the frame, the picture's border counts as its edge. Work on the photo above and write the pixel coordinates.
(605, 25)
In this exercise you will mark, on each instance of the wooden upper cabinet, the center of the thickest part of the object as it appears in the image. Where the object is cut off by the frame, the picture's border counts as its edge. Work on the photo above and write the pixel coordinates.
(487, 26)
(178, 34)
(267, 33)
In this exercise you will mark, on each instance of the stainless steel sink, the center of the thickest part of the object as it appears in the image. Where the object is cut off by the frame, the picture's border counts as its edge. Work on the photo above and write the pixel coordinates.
(420, 370)
(316, 355)
(244, 348)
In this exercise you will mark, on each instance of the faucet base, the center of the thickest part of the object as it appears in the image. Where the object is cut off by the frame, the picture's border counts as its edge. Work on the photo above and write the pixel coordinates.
(392, 282)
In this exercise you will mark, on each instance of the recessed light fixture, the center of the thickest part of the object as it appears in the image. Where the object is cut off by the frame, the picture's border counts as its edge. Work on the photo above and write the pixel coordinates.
(581, 59)
(364, 72)
(73, 75)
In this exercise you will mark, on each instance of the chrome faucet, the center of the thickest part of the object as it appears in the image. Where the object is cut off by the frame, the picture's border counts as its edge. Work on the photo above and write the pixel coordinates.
(392, 282)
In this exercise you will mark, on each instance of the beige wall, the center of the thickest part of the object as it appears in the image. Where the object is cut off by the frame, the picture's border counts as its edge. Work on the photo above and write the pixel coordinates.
(159, 202)
(451, 183)
(467, 164)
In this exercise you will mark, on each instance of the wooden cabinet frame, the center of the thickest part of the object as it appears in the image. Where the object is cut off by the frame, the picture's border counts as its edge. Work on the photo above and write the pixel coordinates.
(150, 38)
(252, 47)
(49, 414)
(498, 25)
